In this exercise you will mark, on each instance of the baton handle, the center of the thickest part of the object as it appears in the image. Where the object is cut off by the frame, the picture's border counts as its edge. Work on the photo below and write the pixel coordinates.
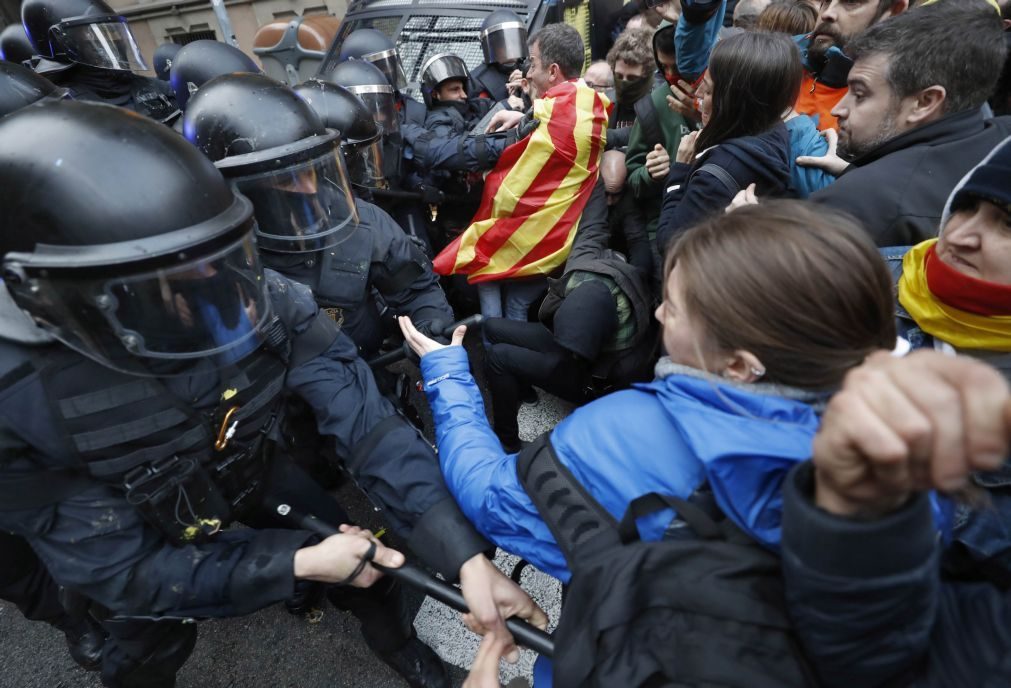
(439, 590)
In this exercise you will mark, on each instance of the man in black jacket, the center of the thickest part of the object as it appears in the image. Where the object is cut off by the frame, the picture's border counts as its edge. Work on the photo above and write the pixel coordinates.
(860, 547)
(911, 123)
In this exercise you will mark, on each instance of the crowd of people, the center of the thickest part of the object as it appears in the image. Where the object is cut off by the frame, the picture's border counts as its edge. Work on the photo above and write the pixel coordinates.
(764, 249)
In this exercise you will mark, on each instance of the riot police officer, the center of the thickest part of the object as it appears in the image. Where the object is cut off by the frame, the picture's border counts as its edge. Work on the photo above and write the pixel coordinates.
(504, 42)
(14, 45)
(24, 581)
(200, 61)
(86, 47)
(278, 153)
(164, 56)
(378, 49)
(145, 414)
(402, 199)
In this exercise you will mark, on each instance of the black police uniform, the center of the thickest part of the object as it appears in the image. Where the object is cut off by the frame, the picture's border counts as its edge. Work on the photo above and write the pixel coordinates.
(146, 96)
(488, 81)
(376, 258)
(81, 442)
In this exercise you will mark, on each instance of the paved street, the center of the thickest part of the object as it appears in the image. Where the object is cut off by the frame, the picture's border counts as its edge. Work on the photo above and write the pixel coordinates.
(274, 649)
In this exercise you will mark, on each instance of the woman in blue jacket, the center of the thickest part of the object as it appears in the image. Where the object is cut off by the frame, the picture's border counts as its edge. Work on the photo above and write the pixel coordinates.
(765, 311)
(751, 84)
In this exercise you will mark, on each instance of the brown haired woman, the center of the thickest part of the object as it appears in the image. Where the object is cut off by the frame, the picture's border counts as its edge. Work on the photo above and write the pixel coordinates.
(765, 311)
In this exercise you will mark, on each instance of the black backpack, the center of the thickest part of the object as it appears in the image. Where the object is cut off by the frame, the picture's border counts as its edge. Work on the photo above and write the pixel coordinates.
(703, 611)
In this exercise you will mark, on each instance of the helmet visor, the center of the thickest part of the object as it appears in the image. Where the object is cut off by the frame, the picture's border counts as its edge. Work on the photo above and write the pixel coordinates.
(365, 163)
(382, 103)
(304, 207)
(157, 322)
(107, 44)
(388, 62)
(505, 43)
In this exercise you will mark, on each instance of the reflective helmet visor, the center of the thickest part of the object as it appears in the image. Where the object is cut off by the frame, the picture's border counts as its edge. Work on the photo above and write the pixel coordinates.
(105, 44)
(365, 163)
(388, 62)
(304, 207)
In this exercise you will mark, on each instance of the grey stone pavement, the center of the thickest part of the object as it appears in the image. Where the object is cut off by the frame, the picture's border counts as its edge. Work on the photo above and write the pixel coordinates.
(273, 649)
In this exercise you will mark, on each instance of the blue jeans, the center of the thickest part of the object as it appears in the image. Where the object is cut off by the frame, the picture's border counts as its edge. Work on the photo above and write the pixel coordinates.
(510, 299)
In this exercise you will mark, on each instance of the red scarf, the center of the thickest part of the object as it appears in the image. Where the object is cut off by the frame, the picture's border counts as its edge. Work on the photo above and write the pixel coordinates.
(963, 292)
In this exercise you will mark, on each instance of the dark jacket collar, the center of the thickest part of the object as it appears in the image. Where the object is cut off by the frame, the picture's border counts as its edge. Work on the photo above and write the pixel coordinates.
(950, 127)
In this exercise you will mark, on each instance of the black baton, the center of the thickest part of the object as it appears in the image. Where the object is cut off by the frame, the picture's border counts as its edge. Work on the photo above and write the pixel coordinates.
(441, 591)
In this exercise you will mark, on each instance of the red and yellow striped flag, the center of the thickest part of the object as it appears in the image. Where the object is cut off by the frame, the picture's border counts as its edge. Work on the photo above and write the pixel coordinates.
(535, 195)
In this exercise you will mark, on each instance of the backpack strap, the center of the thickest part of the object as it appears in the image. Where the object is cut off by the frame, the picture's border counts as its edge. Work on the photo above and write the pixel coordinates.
(721, 174)
(697, 519)
(573, 516)
(645, 115)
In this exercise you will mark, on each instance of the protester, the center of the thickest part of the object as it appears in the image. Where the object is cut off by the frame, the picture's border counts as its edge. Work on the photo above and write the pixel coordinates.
(632, 62)
(751, 81)
(952, 294)
(596, 332)
(911, 124)
(793, 17)
(860, 549)
(747, 13)
(599, 76)
(655, 138)
(522, 231)
(770, 339)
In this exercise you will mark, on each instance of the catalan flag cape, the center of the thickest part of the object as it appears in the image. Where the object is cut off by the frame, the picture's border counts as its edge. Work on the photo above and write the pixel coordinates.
(534, 197)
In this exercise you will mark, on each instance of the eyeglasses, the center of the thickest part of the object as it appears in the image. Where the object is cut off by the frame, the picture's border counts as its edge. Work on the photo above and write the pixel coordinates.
(597, 87)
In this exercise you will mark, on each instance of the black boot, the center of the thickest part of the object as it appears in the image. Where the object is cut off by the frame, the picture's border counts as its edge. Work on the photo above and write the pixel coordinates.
(85, 639)
(308, 599)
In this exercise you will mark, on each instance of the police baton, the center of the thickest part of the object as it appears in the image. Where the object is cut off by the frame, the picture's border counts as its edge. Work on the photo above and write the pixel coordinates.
(410, 574)
(399, 354)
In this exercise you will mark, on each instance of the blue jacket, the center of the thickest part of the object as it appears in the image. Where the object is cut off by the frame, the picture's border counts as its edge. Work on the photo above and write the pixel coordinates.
(805, 140)
(668, 436)
(694, 42)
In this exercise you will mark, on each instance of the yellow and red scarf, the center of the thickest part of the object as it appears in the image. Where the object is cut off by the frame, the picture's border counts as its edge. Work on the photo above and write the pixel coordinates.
(965, 312)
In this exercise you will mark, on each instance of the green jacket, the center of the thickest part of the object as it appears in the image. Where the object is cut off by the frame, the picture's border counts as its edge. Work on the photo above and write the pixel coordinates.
(671, 127)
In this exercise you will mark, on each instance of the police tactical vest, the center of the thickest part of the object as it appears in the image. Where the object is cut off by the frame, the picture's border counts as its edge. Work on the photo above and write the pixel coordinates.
(189, 471)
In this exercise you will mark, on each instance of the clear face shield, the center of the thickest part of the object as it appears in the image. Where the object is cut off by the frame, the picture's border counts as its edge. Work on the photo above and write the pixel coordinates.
(107, 43)
(365, 163)
(381, 102)
(162, 322)
(388, 62)
(505, 44)
(304, 207)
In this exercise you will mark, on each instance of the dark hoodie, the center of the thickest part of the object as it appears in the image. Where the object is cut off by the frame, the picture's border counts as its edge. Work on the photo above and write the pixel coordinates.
(693, 191)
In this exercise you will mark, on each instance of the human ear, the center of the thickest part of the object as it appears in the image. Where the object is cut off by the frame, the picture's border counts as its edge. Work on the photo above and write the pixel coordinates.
(927, 105)
(743, 366)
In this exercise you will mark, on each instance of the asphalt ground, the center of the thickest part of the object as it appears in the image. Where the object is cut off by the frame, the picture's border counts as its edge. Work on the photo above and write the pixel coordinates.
(272, 648)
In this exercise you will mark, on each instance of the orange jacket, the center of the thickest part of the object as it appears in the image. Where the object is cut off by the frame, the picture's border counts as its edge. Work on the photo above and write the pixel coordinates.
(817, 100)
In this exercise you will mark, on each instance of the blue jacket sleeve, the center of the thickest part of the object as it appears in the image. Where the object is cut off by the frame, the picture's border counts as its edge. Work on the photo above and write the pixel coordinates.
(389, 458)
(479, 473)
(694, 42)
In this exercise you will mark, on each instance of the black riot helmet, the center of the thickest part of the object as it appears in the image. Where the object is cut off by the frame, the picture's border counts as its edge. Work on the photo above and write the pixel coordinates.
(441, 68)
(372, 46)
(86, 32)
(340, 109)
(200, 61)
(275, 150)
(20, 87)
(14, 45)
(370, 85)
(504, 38)
(164, 56)
(148, 266)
